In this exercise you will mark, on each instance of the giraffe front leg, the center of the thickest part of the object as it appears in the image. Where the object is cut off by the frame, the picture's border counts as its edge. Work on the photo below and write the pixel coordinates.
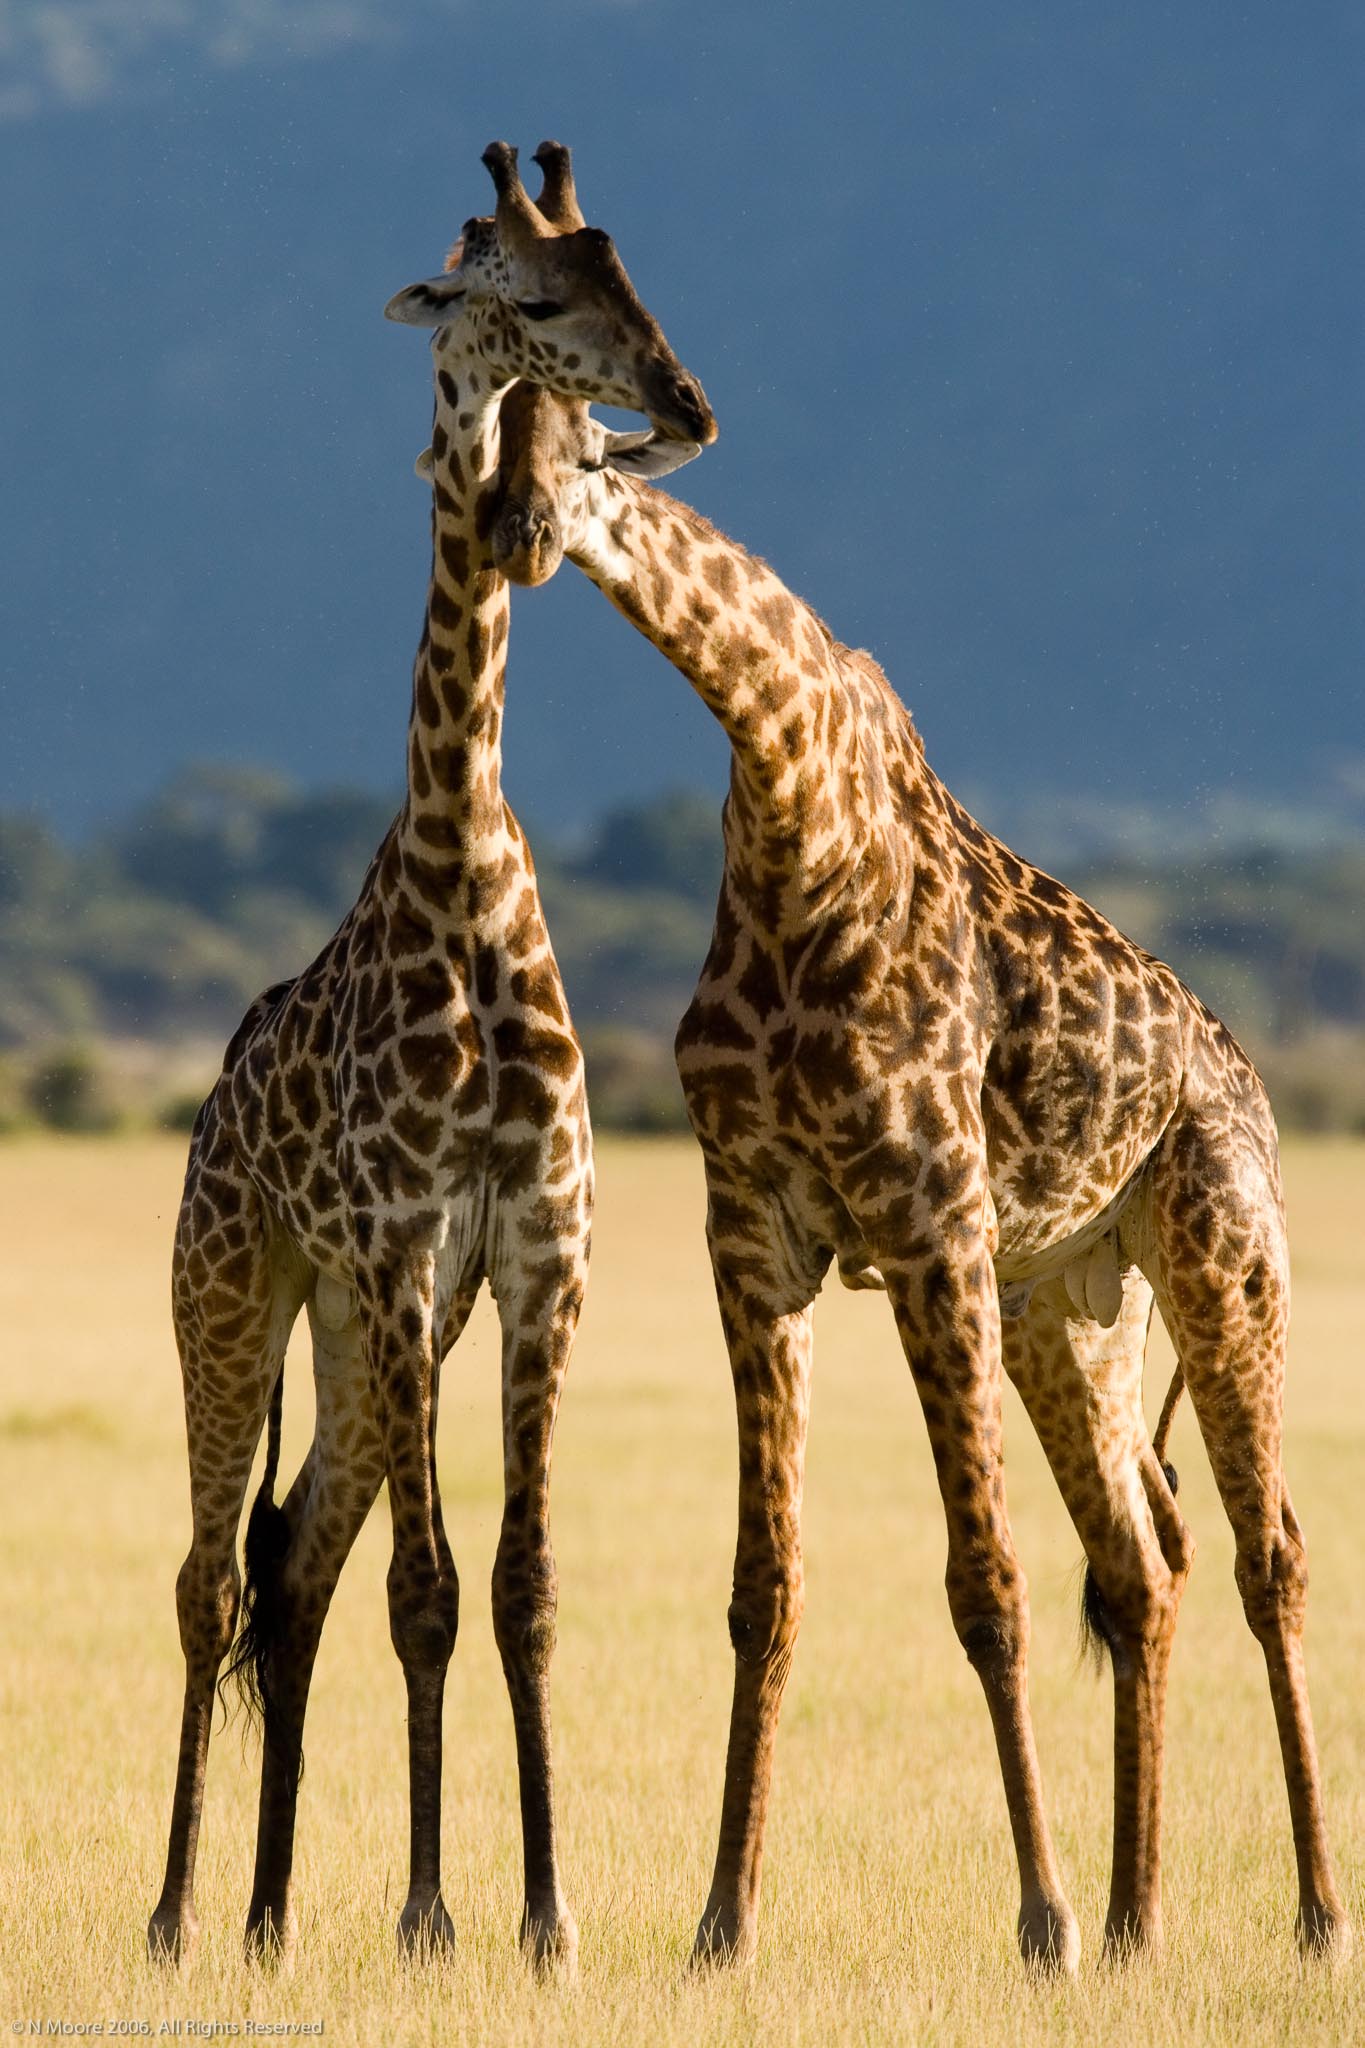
(423, 1590)
(539, 1309)
(948, 1317)
(770, 1358)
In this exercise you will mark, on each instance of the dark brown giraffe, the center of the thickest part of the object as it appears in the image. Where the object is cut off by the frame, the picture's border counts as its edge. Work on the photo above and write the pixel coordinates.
(400, 1123)
(914, 1055)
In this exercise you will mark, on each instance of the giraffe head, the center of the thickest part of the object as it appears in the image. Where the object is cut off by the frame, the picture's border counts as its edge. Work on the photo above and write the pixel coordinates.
(550, 301)
(550, 442)
(550, 447)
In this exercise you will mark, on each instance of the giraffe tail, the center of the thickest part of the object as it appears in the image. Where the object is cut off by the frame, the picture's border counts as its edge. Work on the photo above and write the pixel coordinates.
(1163, 1428)
(262, 1618)
(1098, 1633)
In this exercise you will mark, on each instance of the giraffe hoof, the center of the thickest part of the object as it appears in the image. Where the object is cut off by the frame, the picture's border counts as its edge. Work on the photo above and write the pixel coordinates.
(550, 1943)
(1049, 1939)
(425, 1932)
(723, 1941)
(171, 1936)
(1324, 1933)
(270, 1937)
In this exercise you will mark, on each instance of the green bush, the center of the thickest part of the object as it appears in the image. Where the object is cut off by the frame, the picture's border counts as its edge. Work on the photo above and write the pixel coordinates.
(179, 1113)
(69, 1091)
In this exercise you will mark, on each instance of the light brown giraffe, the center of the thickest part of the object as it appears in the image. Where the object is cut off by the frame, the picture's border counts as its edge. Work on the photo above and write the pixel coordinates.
(401, 1122)
(914, 1055)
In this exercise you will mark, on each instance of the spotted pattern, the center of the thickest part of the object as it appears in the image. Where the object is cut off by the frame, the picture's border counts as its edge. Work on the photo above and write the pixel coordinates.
(915, 1056)
(400, 1123)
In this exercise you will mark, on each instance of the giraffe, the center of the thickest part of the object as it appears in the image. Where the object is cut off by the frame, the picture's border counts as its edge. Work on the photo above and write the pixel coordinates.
(402, 1121)
(915, 1056)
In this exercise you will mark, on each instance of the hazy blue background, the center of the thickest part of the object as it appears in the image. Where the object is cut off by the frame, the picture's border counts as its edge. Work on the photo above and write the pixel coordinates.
(1035, 335)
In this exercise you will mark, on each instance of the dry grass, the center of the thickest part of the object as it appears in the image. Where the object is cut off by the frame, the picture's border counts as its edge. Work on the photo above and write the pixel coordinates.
(890, 1885)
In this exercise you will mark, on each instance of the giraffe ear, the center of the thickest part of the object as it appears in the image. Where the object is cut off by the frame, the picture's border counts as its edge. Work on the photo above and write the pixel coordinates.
(646, 454)
(428, 304)
(425, 465)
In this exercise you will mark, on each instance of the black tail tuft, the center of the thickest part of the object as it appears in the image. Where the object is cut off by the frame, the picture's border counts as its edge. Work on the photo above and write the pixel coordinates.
(1098, 1634)
(261, 1622)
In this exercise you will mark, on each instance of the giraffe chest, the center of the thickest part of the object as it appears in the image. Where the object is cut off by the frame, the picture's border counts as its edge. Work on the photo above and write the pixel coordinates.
(802, 1110)
(853, 1045)
(446, 1095)
(887, 1104)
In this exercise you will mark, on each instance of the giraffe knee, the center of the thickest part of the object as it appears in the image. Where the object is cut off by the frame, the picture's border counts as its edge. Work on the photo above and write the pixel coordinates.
(423, 1620)
(991, 1616)
(525, 1609)
(1273, 1583)
(993, 1642)
(207, 1594)
(1132, 1610)
(765, 1615)
(1172, 1531)
(1177, 1548)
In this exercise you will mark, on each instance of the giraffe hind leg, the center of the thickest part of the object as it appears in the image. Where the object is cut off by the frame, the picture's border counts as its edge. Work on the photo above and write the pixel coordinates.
(309, 1537)
(233, 1309)
(1221, 1271)
(403, 1355)
(947, 1313)
(538, 1325)
(1098, 1625)
(1082, 1386)
(267, 1536)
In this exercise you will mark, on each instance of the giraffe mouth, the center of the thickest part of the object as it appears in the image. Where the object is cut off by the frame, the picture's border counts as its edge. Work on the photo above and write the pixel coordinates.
(526, 544)
(679, 410)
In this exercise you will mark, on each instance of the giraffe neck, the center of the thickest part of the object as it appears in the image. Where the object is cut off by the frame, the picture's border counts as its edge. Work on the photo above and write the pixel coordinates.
(807, 789)
(453, 815)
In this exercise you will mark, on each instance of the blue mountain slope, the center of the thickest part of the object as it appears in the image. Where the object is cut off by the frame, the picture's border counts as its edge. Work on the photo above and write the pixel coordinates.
(1034, 334)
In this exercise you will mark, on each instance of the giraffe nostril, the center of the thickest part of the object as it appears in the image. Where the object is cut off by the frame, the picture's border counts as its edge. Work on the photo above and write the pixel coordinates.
(526, 544)
(520, 526)
(683, 407)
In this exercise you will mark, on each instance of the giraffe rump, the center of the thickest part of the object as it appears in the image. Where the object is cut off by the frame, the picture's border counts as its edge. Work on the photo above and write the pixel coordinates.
(261, 1621)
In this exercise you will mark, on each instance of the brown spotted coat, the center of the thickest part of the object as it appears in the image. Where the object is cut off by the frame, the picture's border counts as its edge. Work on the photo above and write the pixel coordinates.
(400, 1123)
(914, 1055)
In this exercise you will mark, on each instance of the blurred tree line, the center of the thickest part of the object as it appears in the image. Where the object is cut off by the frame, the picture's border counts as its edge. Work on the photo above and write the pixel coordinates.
(124, 964)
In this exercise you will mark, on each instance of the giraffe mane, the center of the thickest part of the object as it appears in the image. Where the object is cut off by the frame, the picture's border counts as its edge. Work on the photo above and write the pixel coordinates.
(859, 658)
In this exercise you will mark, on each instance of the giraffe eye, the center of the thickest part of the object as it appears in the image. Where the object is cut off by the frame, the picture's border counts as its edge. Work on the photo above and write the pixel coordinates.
(539, 309)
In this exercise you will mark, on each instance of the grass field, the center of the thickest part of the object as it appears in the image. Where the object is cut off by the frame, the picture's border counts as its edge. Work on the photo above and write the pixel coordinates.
(889, 1886)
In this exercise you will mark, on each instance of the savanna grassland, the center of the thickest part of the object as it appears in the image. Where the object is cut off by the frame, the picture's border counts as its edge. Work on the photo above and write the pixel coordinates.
(889, 1888)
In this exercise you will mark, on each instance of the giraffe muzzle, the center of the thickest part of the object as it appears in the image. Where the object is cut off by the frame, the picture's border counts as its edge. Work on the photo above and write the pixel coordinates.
(526, 544)
(679, 409)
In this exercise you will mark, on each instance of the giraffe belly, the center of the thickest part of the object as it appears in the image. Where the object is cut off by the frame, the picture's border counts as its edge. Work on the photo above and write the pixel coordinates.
(1090, 1257)
(1021, 1257)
